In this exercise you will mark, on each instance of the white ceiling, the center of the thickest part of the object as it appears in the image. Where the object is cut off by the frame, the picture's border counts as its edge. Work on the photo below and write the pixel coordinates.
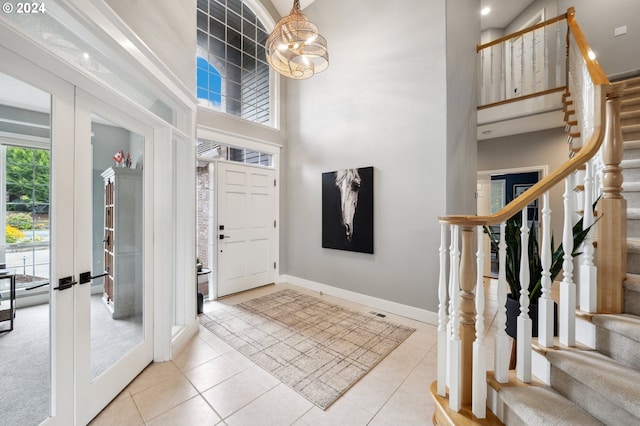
(502, 11)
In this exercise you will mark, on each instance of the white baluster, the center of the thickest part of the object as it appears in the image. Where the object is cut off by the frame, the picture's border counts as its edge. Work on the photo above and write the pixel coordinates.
(545, 47)
(559, 55)
(503, 66)
(502, 350)
(523, 358)
(534, 65)
(483, 77)
(479, 385)
(442, 314)
(455, 359)
(452, 263)
(588, 271)
(522, 67)
(545, 303)
(567, 311)
(510, 92)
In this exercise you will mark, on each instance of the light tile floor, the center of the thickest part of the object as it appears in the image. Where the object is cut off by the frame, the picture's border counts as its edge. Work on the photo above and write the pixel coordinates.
(210, 383)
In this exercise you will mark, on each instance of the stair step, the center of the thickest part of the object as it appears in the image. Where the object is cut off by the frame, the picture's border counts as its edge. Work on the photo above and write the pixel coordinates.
(631, 91)
(630, 82)
(633, 245)
(631, 186)
(633, 223)
(629, 103)
(598, 384)
(632, 294)
(631, 169)
(618, 337)
(541, 405)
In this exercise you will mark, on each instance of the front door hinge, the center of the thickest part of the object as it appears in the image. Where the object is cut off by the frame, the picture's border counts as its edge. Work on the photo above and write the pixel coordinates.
(274, 223)
(274, 265)
(274, 182)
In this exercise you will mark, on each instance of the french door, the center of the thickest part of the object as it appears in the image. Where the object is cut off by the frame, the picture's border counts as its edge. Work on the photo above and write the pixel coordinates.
(112, 242)
(98, 343)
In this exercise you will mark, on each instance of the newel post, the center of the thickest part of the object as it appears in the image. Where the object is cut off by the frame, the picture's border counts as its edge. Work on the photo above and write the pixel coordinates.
(467, 311)
(612, 227)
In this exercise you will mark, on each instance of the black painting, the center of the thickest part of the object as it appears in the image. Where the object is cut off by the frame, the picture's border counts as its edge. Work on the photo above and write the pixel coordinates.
(347, 210)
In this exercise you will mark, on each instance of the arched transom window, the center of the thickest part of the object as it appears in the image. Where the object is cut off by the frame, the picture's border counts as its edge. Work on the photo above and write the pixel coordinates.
(233, 74)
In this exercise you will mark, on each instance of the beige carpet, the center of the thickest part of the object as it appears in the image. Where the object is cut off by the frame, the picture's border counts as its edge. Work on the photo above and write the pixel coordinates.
(317, 348)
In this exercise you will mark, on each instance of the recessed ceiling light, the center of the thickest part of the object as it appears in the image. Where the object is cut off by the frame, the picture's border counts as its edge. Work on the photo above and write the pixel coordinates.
(485, 11)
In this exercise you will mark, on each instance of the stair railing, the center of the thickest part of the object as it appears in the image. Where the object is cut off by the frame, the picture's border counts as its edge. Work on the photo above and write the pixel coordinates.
(461, 348)
(524, 64)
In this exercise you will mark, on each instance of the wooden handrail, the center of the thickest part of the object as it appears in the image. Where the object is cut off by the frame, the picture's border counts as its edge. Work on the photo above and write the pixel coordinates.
(517, 34)
(602, 88)
(542, 186)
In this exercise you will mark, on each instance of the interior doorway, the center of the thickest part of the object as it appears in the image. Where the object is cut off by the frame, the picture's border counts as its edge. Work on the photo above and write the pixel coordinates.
(497, 188)
(237, 225)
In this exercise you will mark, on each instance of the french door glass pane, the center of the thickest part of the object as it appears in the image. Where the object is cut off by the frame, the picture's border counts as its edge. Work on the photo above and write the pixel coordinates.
(25, 372)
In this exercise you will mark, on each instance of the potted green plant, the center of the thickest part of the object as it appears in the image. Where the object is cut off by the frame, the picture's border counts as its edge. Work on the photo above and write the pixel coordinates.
(512, 265)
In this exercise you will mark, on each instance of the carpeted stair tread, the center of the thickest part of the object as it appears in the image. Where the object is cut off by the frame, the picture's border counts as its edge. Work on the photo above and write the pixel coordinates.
(633, 282)
(538, 405)
(631, 187)
(633, 213)
(624, 324)
(630, 164)
(609, 380)
(633, 245)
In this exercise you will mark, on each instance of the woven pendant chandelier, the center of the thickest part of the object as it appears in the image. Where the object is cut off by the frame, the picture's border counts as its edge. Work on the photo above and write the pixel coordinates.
(294, 48)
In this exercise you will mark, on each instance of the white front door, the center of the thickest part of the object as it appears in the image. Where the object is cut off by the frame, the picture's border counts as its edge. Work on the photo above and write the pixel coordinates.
(246, 227)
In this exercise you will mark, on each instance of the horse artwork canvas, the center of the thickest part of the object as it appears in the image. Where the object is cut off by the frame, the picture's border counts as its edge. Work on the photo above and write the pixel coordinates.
(347, 210)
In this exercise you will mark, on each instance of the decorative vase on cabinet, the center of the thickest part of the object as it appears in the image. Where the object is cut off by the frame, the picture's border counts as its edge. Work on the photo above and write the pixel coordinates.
(123, 239)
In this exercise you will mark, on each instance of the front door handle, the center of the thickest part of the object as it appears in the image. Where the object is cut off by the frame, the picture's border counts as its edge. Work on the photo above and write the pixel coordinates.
(222, 237)
(86, 277)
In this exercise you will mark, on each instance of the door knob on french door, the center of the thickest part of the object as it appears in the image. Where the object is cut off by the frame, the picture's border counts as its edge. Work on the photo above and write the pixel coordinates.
(86, 277)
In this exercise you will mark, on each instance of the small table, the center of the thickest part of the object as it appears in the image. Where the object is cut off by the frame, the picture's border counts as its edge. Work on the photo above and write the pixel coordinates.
(8, 314)
(200, 296)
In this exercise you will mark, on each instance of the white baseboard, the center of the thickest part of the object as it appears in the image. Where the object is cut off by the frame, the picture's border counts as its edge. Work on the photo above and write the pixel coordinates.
(407, 311)
(182, 336)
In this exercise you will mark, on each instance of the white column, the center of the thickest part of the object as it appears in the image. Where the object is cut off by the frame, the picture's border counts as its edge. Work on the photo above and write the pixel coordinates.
(442, 314)
(523, 360)
(455, 360)
(567, 311)
(479, 385)
(502, 351)
(588, 271)
(545, 303)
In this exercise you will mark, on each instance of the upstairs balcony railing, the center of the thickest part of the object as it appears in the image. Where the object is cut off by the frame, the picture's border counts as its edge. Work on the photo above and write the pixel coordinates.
(531, 62)
(592, 107)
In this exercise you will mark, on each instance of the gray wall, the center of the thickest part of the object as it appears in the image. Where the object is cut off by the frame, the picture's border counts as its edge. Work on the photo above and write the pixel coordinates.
(383, 102)
(597, 18)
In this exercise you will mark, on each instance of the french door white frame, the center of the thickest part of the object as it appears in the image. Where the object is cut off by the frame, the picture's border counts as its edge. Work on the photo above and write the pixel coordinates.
(65, 327)
(93, 395)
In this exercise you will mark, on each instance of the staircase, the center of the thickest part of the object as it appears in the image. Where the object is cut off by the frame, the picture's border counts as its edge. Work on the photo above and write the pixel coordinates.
(600, 386)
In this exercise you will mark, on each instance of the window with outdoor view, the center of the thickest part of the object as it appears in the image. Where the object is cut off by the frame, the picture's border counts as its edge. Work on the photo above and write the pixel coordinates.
(26, 214)
(232, 70)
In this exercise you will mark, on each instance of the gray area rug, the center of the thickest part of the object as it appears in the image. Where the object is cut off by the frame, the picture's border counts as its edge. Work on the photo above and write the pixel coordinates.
(317, 348)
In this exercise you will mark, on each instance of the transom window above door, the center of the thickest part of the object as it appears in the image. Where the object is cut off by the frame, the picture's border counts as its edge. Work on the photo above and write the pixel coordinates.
(232, 70)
